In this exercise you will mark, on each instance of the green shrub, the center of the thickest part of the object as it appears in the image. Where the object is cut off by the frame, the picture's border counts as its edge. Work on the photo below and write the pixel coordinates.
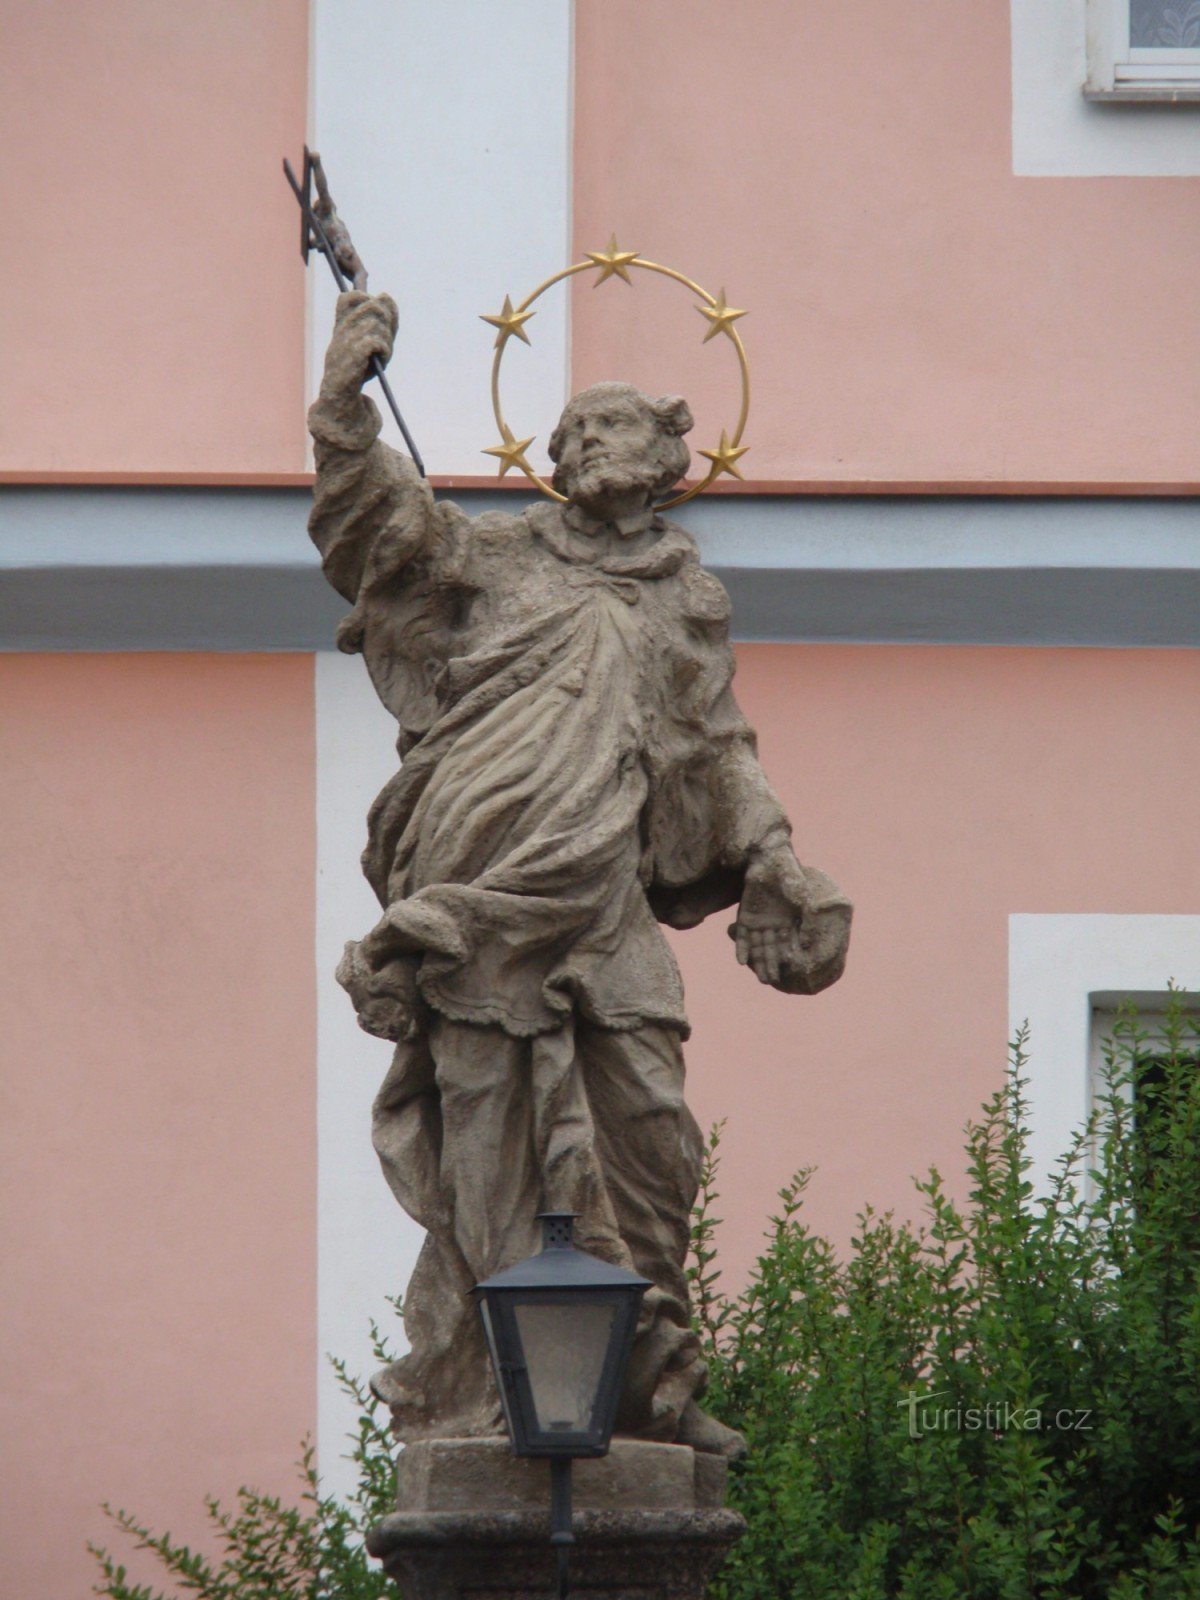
(1057, 1456)
(1080, 1315)
(272, 1551)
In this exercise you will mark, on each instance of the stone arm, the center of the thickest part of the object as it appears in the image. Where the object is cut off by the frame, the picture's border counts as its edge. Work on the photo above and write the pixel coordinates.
(374, 521)
(793, 923)
(373, 513)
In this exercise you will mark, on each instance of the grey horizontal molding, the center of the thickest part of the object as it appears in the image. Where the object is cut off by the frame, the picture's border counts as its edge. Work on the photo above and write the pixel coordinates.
(232, 569)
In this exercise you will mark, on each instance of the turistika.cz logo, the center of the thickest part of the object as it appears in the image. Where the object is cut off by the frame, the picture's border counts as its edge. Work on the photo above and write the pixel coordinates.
(996, 1417)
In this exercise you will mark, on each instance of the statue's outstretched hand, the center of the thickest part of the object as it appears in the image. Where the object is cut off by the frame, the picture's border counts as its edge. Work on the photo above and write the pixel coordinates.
(382, 984)
(365, 326)
(793, 924)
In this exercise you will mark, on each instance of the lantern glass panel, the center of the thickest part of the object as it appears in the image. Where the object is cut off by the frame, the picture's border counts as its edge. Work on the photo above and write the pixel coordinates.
(565, 1348)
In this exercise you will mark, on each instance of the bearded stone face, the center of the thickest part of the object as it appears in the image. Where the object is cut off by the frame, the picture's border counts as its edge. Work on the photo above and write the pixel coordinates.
(615, 449)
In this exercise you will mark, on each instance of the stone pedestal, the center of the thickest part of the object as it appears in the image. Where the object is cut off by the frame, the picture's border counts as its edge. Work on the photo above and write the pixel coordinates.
(474, 1523)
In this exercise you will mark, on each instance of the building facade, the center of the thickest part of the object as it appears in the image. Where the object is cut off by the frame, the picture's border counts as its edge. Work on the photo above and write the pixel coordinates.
(964, 560)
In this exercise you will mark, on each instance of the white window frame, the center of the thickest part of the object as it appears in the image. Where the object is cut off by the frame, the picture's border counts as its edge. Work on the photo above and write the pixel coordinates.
(1061, 967)
(1118, 71)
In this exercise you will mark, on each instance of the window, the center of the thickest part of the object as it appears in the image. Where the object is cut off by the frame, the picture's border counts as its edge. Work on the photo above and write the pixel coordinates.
(1146, 50)
(1064, 971)
(1147, 1040)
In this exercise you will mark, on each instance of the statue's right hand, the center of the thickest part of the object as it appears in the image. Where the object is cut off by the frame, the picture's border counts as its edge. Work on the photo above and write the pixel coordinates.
(365, 326)
(383, 989)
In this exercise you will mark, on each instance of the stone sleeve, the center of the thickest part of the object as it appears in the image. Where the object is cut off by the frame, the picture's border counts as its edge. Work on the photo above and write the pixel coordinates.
(372, 512)
(749, 815)
(740, 816)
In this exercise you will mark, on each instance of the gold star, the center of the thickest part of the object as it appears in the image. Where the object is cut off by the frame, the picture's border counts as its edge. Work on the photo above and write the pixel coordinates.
(512, 452)
(721, 316)
(725, 456)
(612, 260)
(509, 321)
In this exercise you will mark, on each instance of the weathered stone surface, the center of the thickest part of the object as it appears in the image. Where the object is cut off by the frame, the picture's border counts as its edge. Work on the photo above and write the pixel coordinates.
(575, 772)
(711, 1480)
(484, 1475)
(637, 1555)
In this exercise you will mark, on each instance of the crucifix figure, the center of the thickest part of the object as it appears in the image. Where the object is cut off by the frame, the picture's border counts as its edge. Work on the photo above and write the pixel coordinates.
(574, 772)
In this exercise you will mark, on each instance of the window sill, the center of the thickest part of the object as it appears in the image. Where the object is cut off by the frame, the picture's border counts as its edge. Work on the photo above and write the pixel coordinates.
(1145, 94)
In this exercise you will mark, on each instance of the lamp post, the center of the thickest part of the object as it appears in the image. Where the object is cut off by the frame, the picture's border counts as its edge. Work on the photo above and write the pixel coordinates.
(559, 1330)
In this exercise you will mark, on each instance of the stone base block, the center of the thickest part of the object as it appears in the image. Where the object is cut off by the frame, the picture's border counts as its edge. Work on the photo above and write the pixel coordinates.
(484, 1475)
(506, 1555)
(473, 1523)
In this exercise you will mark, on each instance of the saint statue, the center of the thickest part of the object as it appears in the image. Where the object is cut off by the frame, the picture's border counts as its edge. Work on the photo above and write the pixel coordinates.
(574, 772)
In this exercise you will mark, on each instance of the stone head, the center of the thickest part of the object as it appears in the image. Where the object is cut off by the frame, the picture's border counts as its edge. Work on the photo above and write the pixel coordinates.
(614, 449)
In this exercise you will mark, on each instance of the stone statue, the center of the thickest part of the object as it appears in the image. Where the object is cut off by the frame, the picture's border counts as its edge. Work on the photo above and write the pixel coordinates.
(574, 772)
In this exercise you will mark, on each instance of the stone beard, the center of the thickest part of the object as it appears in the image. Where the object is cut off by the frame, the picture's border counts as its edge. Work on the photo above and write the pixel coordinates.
(574, 771)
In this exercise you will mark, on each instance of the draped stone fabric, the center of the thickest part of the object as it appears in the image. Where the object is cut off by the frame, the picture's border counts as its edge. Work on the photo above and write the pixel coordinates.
(574, 771)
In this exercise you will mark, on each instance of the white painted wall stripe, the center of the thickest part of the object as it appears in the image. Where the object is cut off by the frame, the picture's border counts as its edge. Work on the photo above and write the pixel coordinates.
(446, 133)
(449, 156)
(366, 1245)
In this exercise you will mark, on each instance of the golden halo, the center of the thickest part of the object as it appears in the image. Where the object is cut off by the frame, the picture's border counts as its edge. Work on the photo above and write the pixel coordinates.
(613, 262)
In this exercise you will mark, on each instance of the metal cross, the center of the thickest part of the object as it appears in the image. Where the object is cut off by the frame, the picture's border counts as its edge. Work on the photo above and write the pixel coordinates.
(321, 228)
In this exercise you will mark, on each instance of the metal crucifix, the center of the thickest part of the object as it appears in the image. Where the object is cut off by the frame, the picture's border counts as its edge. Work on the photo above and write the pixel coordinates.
(321, 228)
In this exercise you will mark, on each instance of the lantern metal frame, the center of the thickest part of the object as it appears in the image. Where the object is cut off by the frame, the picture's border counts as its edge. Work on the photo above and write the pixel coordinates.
(561, 1275)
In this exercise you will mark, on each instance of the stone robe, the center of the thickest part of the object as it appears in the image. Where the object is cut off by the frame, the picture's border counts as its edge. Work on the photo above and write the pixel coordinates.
(574, 771)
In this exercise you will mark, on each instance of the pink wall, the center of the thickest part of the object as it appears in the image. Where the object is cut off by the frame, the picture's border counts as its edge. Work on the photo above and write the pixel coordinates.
(944, 788)
(917, 312)
(153, 307)
(157, 1143)
(157, 1147)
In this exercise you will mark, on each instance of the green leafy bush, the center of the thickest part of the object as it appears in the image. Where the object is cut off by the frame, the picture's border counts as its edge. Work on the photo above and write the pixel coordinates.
(272, 1551)
(1002, 1403)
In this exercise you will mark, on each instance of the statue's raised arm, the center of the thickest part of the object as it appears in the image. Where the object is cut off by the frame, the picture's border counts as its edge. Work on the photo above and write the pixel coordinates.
(376, 524)
(363, 486)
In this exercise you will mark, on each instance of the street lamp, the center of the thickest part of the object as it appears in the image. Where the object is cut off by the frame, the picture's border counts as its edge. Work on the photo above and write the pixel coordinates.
(559, 1330)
